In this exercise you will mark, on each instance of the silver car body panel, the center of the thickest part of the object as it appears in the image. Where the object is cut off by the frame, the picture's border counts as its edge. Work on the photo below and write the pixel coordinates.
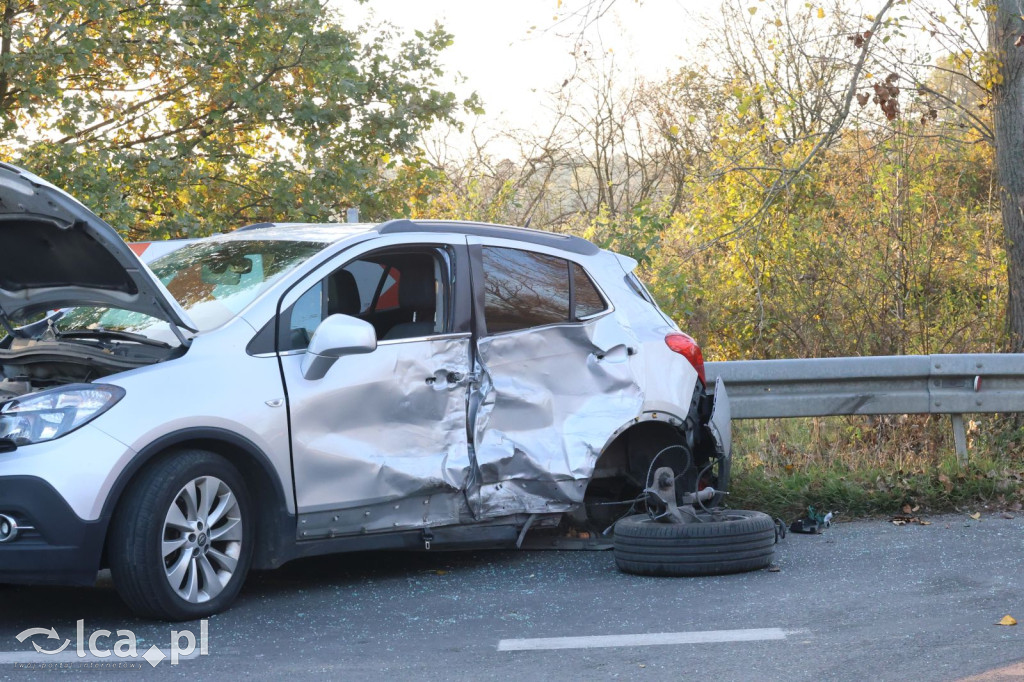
(203, 390)
(380, 427)
(538, 433)
(81, 467)
(552, 398)
(375, 430)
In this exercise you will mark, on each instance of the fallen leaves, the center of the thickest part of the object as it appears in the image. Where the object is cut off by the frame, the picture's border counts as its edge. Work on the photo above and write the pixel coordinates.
(906, 520)
(1007, 620)
(975, 515)
(907, 516)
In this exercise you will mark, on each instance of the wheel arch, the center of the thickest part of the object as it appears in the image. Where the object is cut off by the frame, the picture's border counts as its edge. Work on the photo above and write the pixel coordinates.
(623, 463)
(630, 450)
(275, 525)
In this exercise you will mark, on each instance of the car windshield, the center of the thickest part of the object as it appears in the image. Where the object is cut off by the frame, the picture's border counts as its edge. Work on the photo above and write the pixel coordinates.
(213, 281)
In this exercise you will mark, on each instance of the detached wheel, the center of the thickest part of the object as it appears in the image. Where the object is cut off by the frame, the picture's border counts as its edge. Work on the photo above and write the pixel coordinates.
(729, 541)
(181, 540)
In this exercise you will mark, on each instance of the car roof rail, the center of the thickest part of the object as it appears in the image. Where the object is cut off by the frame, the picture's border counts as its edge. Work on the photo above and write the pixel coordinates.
(254, 226)
(554, 240)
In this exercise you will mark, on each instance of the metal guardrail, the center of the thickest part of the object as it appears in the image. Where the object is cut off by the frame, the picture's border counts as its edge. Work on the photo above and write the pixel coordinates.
(907, 384)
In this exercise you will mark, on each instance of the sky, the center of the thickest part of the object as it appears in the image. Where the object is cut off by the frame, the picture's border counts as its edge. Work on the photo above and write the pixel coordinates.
(512, 52)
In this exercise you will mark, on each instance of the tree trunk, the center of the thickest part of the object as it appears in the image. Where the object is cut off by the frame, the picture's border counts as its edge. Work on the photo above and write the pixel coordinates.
(1005, 27)
(6, 29)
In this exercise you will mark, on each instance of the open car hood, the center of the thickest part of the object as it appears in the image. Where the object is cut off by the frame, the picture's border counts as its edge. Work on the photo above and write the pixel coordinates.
(56, 253)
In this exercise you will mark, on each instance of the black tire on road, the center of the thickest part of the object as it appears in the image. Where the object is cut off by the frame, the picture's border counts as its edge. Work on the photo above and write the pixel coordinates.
(732, 541)
(138, 532)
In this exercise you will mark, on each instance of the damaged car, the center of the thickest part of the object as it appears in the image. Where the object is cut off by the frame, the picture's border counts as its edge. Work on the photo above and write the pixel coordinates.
(284, 391)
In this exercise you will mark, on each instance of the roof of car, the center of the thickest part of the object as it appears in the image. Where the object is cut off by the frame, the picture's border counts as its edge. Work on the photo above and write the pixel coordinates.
(565, 242)
(305, 232)
(333, 232)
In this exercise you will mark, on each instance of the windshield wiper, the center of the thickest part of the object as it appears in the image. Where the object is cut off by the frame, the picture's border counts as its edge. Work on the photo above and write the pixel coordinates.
(112, 334)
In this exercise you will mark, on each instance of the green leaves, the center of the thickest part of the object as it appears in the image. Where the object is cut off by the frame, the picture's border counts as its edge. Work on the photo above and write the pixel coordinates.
(209, 115)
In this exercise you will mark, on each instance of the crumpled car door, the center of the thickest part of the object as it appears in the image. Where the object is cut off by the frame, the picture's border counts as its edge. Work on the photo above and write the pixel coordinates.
(550, 399)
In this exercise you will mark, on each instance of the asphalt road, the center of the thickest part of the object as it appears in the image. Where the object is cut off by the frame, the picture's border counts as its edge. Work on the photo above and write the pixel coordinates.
(866, 600)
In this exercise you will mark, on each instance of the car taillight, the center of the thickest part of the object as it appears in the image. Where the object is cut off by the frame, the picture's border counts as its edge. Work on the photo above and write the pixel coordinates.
(685, 345)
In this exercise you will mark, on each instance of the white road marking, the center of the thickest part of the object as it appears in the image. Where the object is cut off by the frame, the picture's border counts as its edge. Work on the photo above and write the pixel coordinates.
(650, 639)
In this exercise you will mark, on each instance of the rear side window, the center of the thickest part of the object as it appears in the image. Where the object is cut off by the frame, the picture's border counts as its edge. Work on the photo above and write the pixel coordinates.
(523, 289)
(586, 297)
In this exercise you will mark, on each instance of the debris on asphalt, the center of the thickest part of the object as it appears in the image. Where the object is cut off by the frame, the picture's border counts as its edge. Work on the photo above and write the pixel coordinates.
(1007, 620)
(780, 530)
(906, 520)
(813, 524)
(975, 515)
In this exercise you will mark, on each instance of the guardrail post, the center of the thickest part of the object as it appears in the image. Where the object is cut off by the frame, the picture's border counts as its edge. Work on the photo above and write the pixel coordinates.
(960, 439)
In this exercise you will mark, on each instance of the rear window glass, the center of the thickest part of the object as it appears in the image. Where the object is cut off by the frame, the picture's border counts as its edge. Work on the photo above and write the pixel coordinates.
(524, 289)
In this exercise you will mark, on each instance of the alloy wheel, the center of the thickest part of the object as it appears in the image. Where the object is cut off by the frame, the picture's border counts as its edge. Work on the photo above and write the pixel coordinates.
(202, 539)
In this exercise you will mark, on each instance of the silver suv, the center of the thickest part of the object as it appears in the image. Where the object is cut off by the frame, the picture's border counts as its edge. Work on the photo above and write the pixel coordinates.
(284, 391)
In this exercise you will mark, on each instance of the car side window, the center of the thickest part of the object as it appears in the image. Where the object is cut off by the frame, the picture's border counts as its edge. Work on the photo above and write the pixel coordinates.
(403, 294)
(523, 289)
(587, 300)
(367, 276)
(305, 316)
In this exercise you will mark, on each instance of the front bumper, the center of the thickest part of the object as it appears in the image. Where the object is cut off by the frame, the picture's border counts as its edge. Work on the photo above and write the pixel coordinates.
(60, 549)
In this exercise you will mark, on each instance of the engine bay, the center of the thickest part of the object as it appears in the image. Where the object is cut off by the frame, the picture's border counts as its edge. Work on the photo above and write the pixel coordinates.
(30, 365)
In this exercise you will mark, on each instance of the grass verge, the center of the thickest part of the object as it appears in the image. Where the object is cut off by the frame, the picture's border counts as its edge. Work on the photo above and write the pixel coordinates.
(860, 467)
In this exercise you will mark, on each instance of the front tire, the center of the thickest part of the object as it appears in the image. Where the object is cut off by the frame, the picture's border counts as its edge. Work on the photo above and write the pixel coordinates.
(726, 541)
(181, 541)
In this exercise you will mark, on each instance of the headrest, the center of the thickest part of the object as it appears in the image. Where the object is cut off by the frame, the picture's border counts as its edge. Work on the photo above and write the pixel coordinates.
(416, 287)
(343, 294)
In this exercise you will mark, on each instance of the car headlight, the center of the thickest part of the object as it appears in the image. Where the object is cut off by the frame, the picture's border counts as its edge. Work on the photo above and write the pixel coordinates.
(55, 412)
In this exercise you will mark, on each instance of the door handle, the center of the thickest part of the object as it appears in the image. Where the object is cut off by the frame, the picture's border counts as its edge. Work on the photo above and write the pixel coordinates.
(458, 378)
(451, 377)
(616, 353)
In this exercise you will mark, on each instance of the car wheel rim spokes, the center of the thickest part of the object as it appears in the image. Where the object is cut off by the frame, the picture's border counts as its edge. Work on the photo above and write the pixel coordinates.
(202, 539)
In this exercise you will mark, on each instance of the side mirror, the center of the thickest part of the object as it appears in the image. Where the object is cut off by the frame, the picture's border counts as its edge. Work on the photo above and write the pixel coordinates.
(336, 336)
